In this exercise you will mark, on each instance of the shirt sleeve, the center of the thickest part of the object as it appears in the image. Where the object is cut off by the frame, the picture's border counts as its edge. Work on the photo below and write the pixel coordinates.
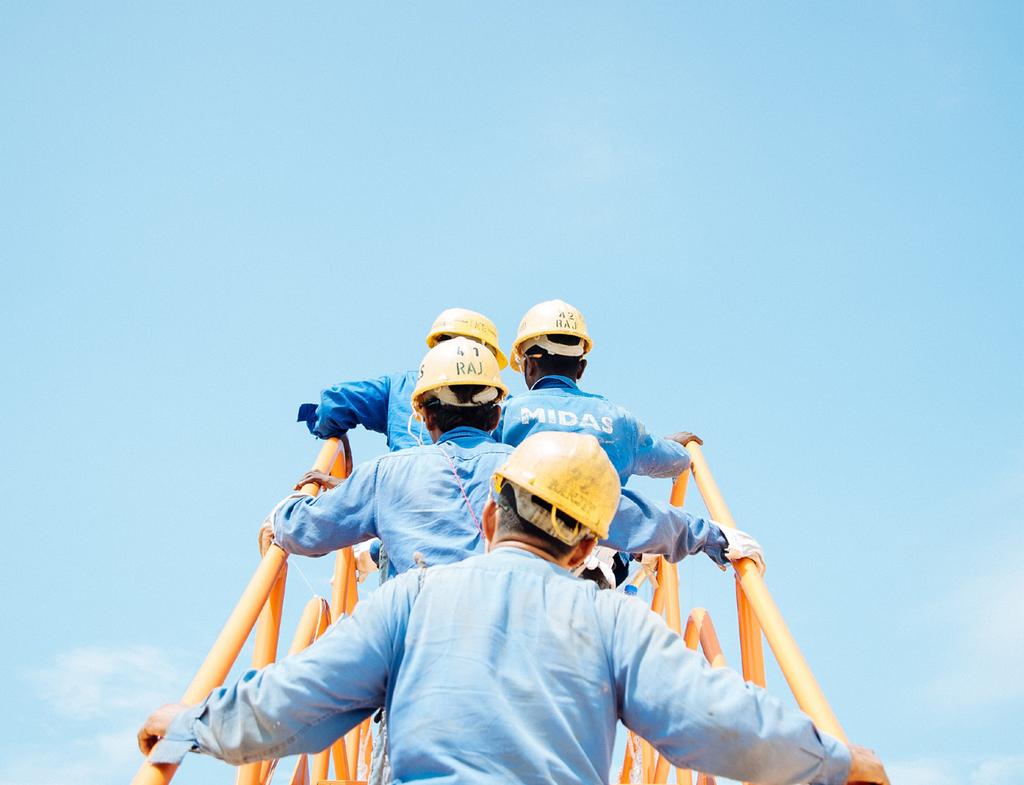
(656, 456)
(645, 526)
(710, 720)
(348, 404)
(342, 516)
(304, 702)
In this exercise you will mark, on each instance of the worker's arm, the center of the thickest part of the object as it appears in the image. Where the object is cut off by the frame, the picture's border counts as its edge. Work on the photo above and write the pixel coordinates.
(348, 404)
(342, 516)
(301, 704)
(707, 719)
(642, 525)
(654, 456)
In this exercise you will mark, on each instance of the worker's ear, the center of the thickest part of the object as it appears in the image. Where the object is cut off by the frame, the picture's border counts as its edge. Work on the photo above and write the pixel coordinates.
(580, 369)
(581, 552)
(489, 522)
(530, 372)
(495, 420)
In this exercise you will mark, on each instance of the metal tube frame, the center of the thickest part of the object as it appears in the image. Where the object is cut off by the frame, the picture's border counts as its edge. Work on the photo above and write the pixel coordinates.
(222, 655)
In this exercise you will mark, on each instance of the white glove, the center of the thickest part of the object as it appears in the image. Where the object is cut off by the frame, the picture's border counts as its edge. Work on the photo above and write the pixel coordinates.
(599, 559)
(741, 545)
(363, 547)
(364, 561)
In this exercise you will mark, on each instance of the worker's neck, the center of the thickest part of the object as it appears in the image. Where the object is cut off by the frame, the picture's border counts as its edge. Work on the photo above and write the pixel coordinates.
(523, 545)
(537, 380)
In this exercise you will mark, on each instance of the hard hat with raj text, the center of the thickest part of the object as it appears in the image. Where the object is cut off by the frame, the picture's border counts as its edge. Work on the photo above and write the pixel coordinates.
(554, 317)
(469, 324)
(572, 473)
(456, 362)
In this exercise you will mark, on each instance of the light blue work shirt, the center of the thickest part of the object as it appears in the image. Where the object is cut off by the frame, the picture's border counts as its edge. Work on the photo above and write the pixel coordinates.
(505, 668)
(556, 403)
(383, 405)
(430, 500)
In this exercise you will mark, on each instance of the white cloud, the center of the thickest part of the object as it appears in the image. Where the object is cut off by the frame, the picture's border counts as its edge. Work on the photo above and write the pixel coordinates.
(98, 760)
(1000, 770)
(98, 695)
(1004, 770)
(100, 681)
(985, 623)
(921, 772)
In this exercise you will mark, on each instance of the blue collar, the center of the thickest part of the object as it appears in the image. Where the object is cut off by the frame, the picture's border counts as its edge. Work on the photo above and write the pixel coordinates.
(464, 432)
(555, 381)
(518, 559)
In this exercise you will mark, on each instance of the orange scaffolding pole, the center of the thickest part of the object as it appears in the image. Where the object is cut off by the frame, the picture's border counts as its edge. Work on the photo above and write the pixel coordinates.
(794, 667)
(229, 643)
(751, 650)
(316, 618)
(264, 653)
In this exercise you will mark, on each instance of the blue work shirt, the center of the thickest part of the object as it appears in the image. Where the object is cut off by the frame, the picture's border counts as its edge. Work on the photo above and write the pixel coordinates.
(383, 405)
(505, 668)
(430, 500)
(556, 403)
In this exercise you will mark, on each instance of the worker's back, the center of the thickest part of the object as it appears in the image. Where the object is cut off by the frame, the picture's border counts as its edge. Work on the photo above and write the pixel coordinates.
(556, 403)
(423, 500)
(503, 676)
(505, 668)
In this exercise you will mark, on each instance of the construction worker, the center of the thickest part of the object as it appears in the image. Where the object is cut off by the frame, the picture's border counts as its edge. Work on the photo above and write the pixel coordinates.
(506, 668)
(425, 502)
(384, 405)
(550, 349)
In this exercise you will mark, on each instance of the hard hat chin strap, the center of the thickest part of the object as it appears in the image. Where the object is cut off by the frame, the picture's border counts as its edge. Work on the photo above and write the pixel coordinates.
(547, 520)
(408, 428)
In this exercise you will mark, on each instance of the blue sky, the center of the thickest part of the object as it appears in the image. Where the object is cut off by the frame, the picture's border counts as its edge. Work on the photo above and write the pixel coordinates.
(794, 229)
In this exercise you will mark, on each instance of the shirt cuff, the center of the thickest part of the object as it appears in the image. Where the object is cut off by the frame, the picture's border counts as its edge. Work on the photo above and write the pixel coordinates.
(836, 766)
(716, 545)
(180, 738)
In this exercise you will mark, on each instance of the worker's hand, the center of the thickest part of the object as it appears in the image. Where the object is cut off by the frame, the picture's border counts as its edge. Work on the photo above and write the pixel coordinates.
(742, 546)
(865, 767)
(266, 536)
(155, 726)
(683, 437)
(325, 481)
(365, 566)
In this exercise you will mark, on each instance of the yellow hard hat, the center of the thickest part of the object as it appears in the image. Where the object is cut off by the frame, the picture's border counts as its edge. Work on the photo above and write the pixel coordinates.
(456, 362)
(469, 324)
(554, 317)
(572, 473)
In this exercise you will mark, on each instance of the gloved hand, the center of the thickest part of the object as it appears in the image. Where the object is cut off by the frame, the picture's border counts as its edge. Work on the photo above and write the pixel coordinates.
(365, 566)
(741, 545)
(365, 563)
(266, 532)
(600, 559)
(265, 536)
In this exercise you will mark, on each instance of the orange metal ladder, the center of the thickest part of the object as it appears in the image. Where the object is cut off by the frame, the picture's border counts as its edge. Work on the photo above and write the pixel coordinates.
(263, 599)
(756, 613)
